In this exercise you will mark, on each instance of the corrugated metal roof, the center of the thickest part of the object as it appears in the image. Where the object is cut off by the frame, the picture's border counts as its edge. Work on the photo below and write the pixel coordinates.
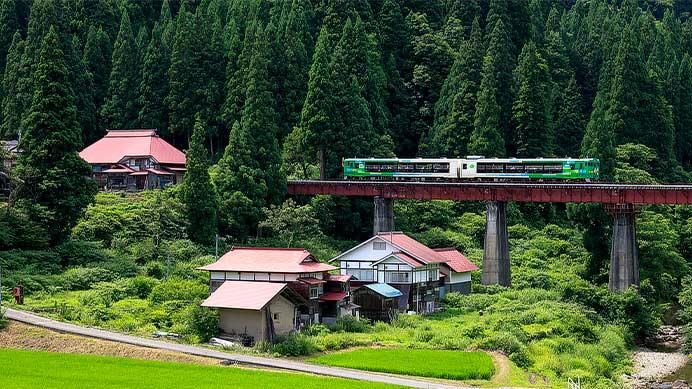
(249, 295)
(338, 277)
(412, 247)
(385, 290)
(268, 260)
(333, 296)
(120, 143)
(456, 260)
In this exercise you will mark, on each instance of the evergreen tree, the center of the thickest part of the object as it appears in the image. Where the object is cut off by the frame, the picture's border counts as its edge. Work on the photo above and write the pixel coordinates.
(8, 25)
(120, 109)
(433, 57)
(569, 122)
(531, 109)
(316, 131)
(197, 191)
(154, 86)
(55, 187)
(454, 111)
(97, 61)
(181, 100)
(460, 17)
(234, 88)
(599, 137)
(683, 113)
(500, 51)
(259, 120)
(486, 138)
(83, 87)
(14, 99)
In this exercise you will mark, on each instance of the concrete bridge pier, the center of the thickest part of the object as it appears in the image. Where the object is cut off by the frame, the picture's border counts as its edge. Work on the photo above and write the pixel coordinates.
(384, 215)
(496, 251)
(624, 253)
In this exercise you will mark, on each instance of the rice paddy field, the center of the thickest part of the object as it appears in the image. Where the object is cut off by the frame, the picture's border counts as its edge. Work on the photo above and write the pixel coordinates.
(456, 365)
(23, 369)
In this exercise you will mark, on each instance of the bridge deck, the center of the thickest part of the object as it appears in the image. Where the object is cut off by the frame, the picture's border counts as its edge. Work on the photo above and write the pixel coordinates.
(606, 193)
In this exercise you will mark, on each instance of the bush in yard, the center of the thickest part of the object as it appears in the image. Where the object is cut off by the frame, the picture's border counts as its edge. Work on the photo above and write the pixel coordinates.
(121, 267)
(204, 322)
(349, 323)
(176, 289)
(316, 329)
(3, 320)
(82, 278)
(470, 302)
(80, 253)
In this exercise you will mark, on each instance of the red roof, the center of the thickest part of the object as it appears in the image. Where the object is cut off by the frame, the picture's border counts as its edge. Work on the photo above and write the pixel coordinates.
(409, 259)
(333, 296)
(311, 281)
(456, 260)
(244, 295)
(339, 277)
(418, 250)
(118, 144)
(160, 172)
(268, 260)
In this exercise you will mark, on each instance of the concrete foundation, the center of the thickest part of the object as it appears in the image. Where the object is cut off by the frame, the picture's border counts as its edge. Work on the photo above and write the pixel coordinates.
(496, 268)
(624, 254)
(384, 215)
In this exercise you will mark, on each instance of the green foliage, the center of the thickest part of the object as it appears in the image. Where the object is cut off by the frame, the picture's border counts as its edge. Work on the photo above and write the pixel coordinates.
(293, 345)
(176, 289)
(348, 323)
(204, 323)
(82, 278)
(197, 191)
(55, 187)
(120, 109)
(291, 222)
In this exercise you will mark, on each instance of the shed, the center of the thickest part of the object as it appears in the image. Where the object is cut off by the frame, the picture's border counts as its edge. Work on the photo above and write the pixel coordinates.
(260, 310)
(377, 301)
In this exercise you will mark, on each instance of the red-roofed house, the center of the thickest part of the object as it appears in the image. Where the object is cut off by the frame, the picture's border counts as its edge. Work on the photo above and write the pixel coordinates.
(423, 275)
(134, 160)
(327, 296)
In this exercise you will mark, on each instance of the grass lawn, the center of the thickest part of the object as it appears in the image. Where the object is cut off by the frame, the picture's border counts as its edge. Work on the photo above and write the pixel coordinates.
(37, 369)
(456, 365)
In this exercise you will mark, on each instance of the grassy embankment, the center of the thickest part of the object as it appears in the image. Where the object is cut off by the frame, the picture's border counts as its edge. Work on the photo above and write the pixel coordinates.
(456, 365)
(37, 369)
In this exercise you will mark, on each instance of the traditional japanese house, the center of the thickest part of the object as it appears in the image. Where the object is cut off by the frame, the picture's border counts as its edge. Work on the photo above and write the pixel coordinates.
(326, 296)
(421, 274)
(134, 160)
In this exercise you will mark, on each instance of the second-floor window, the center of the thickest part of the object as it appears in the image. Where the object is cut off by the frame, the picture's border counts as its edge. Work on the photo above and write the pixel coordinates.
(315, 291)
(379, 246)
(397, 277)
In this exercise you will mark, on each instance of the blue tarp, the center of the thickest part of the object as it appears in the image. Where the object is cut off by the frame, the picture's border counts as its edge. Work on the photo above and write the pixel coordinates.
(385, 290)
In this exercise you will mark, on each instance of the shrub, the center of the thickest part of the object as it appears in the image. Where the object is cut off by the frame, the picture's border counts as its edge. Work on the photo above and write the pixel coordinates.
(348, 323)
(204, 322)
(178, 289)
(3, 320)
(82, 278)
(407, 321)
(140, 286)
(122, 267)
(316, 329)
(293, 345)
(471, 302)
(80, 253)
(103, 293)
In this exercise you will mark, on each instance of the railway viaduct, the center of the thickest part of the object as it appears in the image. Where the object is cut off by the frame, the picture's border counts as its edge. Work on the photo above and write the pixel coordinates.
(619, 199)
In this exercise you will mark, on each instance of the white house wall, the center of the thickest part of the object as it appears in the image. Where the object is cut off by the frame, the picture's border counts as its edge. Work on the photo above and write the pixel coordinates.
(456, 277)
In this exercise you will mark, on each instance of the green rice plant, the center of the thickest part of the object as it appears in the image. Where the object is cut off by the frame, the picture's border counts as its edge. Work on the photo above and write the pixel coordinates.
(457, 365)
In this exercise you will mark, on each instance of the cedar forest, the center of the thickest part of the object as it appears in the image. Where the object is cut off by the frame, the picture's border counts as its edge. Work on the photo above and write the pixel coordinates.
(262, 91)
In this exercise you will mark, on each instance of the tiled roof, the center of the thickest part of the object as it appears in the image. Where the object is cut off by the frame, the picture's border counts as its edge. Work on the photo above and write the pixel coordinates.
(118, 144)
(412, 247)
(244, 295)
(268, 260)
(311, 280)
(333, 296)
(456, 260)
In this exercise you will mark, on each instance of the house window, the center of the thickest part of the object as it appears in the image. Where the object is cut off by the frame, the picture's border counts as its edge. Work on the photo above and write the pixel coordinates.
(276, 316)
(432, 275)
(315, 291)
(379, 246)
(398, 277)
(361, 275)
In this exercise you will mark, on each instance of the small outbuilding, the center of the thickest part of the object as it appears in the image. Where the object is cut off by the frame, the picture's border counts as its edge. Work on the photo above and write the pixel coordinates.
(377, 301)
(255, 310)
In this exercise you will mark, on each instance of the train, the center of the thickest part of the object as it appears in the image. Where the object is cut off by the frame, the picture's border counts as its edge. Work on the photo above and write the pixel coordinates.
(471, 168)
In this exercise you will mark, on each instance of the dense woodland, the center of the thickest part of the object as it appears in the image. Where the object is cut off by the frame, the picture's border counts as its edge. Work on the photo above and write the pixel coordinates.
(261, 91)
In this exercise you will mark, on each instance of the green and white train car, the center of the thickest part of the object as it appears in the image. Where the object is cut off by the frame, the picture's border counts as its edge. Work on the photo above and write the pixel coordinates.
(471, 168)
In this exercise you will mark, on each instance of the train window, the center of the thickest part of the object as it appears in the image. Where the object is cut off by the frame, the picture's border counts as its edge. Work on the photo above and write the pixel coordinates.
(441, 168)
(553, 168)
(514, 168)
(464, 167)
(490, 168)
